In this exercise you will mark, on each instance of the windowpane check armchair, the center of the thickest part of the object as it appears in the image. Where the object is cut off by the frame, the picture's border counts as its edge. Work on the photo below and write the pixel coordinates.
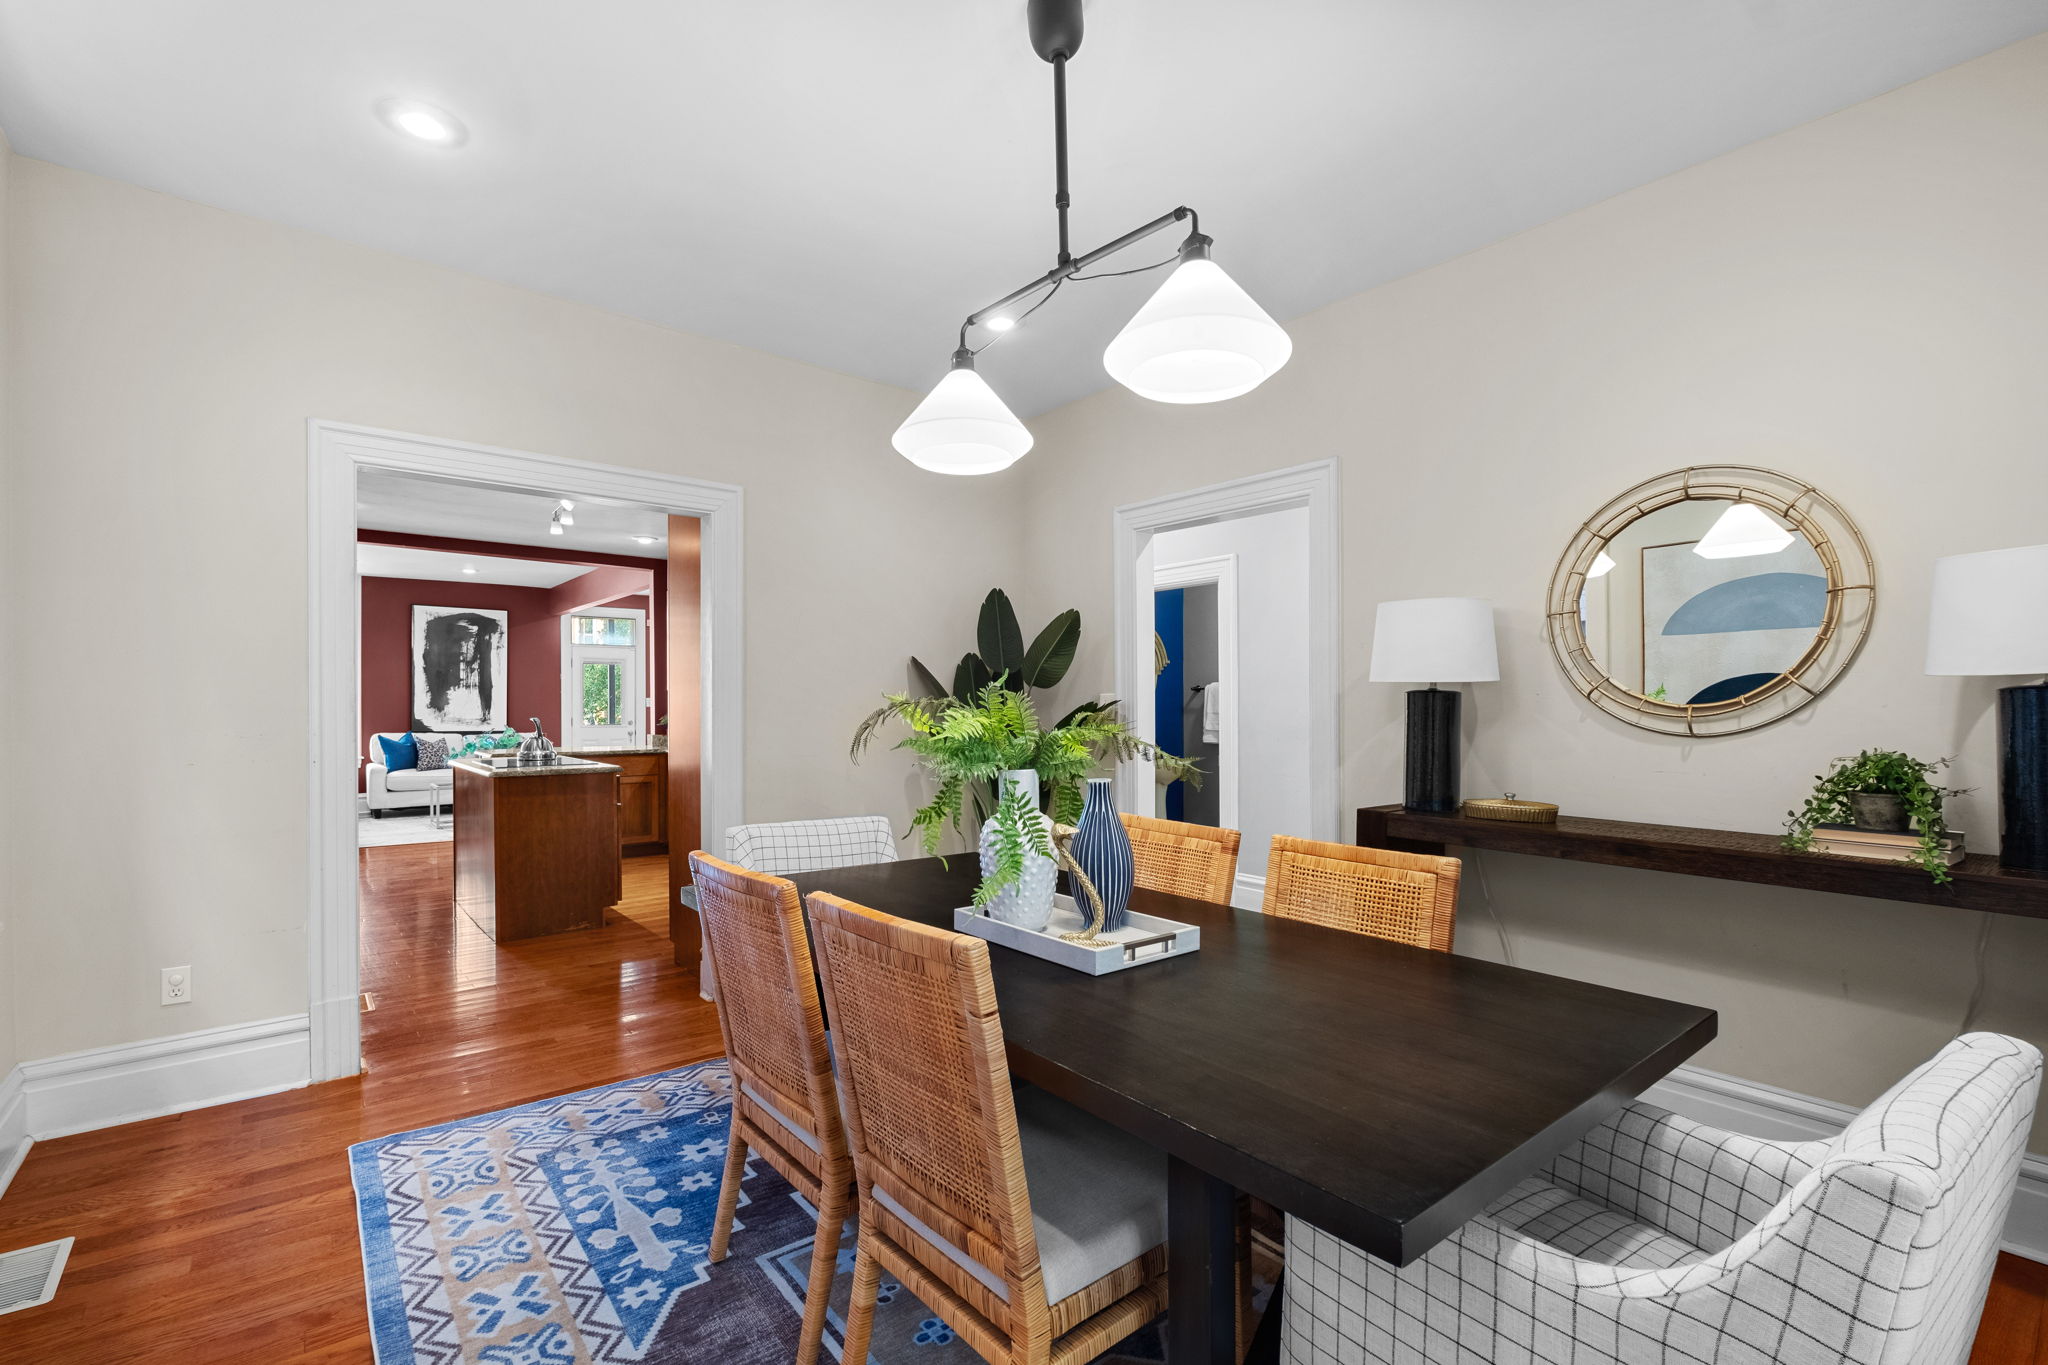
(1658, 1241)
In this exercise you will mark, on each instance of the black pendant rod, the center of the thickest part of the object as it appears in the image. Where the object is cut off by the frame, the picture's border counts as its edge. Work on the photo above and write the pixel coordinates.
(1083, 261)
(1060, 198)
(1056, 36)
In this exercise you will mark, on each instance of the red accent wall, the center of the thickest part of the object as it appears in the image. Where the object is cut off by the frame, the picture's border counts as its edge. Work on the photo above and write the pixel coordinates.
(533, 651)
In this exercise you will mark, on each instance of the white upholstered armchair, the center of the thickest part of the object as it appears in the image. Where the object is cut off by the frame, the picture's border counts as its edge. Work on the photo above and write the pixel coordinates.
(1658, 1241)
(783, 848)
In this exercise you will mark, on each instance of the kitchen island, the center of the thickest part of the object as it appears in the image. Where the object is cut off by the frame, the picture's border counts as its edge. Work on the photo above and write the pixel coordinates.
(536, 845)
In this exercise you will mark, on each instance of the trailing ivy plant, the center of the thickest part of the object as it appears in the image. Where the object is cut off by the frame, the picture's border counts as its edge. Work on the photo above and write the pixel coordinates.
(967, 743)
(1883, 771)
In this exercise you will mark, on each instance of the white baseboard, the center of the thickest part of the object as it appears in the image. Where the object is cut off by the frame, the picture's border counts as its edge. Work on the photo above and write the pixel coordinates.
(14, 1139)
(105, 1086)
(1248, 892)
(1765, 1111)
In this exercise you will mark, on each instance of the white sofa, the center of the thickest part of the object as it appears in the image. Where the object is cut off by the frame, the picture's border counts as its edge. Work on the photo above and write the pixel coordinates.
(408, 788)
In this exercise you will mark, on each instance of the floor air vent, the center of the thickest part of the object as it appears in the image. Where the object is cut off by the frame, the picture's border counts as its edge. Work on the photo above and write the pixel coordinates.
(29, 1276)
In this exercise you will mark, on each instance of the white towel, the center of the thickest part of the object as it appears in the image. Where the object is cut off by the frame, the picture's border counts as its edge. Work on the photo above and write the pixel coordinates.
(1212, 713)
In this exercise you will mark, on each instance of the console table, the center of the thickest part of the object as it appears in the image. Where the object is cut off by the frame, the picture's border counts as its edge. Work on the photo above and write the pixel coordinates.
(1980, 883)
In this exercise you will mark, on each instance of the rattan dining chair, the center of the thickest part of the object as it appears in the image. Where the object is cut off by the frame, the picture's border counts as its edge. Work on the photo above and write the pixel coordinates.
(1198, 861)
(1032, 1229)
(785, 1103)
(1407, 897)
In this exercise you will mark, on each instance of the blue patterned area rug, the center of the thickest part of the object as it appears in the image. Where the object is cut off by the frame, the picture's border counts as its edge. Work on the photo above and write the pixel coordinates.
(575, 1230)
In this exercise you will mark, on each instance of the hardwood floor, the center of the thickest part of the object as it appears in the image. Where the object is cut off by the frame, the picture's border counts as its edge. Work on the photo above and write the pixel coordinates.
(2014, 1329)
(228, 1235)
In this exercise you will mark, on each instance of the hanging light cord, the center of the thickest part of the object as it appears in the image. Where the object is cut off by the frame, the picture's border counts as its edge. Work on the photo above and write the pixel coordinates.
(1138, 270)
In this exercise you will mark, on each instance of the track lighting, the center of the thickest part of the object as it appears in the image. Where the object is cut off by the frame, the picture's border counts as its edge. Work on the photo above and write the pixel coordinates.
(555, 522)
(1200, 338)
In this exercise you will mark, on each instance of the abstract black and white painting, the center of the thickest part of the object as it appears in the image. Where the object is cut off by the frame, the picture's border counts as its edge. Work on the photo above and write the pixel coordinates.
(458, 668)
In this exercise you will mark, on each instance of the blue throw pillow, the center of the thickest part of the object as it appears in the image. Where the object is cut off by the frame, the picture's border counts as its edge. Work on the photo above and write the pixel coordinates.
(400, 753)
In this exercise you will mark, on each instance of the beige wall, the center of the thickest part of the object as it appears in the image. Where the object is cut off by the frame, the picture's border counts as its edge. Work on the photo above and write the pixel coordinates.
(1863, 302)
(169, 356)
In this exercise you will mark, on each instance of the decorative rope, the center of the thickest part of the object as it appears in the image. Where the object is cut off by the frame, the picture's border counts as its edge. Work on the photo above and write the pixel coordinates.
(1062, 835)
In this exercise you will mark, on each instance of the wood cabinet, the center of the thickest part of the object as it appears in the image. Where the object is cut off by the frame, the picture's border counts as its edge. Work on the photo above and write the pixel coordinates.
(643, 796)
(536, 850)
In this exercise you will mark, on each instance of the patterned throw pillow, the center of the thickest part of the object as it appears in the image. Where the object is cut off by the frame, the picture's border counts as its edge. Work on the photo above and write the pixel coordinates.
(433, 754)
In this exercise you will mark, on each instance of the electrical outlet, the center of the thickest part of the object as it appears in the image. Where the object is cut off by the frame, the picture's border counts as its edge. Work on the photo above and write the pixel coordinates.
(177, 985)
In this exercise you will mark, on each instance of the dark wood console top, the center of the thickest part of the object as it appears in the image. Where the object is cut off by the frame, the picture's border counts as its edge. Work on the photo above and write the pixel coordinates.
(1980, 882)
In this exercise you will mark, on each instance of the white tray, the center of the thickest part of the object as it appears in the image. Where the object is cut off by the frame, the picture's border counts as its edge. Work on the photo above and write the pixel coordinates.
(1146, 938)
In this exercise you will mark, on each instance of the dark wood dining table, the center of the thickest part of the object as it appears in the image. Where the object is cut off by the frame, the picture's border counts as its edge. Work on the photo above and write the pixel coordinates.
(1382, 1092)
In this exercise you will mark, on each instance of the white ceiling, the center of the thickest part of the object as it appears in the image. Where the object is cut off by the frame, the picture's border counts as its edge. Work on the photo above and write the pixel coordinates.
(841, 182)
(434, 507)
(440, 566)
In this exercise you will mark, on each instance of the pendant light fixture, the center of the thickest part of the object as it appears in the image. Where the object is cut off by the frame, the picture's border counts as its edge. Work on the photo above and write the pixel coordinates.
(1744, 529)
(1199, 339)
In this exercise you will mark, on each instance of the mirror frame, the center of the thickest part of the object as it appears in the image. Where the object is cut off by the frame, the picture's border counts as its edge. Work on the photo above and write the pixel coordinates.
(1852, 599)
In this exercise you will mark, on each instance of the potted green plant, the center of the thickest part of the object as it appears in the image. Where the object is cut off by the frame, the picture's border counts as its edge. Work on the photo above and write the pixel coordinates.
(1878, 789)
(995, 735)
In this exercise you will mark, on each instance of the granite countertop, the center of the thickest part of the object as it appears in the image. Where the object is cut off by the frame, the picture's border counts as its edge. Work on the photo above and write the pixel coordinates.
(557, 768)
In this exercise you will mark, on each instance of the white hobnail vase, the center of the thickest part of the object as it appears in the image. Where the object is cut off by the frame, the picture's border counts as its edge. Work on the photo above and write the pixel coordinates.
(1026, 902)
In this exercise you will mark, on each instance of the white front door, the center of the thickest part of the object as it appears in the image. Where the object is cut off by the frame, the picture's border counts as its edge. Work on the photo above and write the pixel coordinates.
(604, 677)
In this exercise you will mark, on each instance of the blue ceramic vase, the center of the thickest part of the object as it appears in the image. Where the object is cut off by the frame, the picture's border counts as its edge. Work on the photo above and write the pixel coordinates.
(1103, 851)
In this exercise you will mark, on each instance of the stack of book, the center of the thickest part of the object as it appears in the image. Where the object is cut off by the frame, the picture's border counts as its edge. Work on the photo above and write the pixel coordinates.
(1871, 843)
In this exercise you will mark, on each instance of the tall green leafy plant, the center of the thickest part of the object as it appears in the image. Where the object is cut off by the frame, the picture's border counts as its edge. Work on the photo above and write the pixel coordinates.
(965, 744)
(1878, 771)
(1001, 657)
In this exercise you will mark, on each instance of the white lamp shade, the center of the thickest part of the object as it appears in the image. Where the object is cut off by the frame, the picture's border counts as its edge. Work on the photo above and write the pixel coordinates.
(961, 427)
(1198, 339)
(1603, 565)
(1744, 529)
(1989, 613)
(1435, 640)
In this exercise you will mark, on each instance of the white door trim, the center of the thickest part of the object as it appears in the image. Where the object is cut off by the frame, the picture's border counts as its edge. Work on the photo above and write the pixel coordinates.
(643, 653)
(1220, 570)
(1132, 527)
(336, 451)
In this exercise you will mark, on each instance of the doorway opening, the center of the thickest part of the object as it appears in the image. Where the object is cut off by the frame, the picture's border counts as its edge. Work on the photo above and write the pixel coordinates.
(1226, 652)
(645, 589)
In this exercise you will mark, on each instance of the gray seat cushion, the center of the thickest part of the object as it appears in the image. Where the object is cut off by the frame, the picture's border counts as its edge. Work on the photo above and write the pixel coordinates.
(1588, 1230)
(1098, 1197)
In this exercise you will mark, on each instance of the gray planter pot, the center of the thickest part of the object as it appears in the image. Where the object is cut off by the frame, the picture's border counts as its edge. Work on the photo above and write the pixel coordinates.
(1879, 811)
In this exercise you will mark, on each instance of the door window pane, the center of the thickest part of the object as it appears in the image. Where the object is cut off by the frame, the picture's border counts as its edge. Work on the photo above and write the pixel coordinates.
(603, 694)
(601, 630)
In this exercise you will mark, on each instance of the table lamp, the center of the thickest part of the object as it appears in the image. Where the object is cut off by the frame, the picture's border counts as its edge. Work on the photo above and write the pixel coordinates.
(1434, 640)
(1989, 618)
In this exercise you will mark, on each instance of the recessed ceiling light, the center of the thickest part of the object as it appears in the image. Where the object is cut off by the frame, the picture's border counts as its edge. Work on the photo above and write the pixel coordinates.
(469, 568)
(436, 127)
(646, 540)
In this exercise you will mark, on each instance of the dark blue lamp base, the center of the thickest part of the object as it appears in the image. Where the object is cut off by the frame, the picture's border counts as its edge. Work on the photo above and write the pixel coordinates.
(2022, 776)
(1432, 776)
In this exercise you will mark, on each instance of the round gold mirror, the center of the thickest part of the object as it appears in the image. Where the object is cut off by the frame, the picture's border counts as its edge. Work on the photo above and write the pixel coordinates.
(1711, 600)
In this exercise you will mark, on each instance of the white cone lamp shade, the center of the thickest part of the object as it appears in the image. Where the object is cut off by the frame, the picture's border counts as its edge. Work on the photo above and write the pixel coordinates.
(961, 427)
(1744, 529)
(1988, 615)
(1198, 339)
(1603, 565)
